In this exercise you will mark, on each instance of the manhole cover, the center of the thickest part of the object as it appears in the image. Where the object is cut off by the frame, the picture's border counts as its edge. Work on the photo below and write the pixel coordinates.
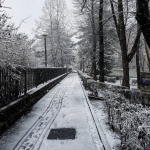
(62, 134)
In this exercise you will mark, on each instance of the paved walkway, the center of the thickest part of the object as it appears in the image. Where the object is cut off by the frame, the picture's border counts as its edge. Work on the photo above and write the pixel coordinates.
(64, 106)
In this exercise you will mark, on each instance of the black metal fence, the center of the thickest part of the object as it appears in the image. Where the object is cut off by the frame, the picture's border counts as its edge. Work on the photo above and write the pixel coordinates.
(15, 82)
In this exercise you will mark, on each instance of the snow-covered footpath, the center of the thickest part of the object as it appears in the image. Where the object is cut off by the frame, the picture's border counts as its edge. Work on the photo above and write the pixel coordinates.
(64, 106)
(101, 112)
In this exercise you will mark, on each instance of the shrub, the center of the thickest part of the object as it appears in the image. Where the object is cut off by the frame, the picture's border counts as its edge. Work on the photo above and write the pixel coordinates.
(111, 79)
(105, 78)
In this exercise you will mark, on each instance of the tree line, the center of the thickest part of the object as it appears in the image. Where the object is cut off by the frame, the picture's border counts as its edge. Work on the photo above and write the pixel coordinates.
(109, 27)
(20, 50)
(16, 49)
(53, 22)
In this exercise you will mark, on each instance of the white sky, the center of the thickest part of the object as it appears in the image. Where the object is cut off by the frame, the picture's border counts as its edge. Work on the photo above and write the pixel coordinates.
(22, 9)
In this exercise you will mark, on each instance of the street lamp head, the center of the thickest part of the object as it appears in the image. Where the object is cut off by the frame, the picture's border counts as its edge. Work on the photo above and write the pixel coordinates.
(44, 35)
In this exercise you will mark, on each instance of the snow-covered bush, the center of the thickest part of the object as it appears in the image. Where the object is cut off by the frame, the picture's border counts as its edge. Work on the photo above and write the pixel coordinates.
(105, 78)
(127, 118)
(111, 79)
(126, 113)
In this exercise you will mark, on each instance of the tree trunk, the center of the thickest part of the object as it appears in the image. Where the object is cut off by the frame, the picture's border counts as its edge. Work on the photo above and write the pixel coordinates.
(81, 65)
(143, 19)
(94, 60)
(91, 72)
(62, 59)
(138, 69)
(51, 39)
(115, 19)
(123, 45)
(121, 32)
(147, 53)
(94, 41)
(138, 64)
(101, 43)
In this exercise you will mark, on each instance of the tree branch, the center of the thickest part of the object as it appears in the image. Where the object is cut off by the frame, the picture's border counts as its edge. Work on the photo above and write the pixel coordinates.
(135, 46)
(115, 19)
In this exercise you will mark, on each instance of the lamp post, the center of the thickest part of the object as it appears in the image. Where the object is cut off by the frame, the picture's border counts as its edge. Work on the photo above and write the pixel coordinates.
(45, 35)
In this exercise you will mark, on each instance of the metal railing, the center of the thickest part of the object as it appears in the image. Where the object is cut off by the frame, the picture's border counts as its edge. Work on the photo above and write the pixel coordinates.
(15, 82)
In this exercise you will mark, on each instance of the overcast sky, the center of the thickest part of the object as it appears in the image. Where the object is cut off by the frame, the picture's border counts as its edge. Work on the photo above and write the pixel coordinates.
(21, 9)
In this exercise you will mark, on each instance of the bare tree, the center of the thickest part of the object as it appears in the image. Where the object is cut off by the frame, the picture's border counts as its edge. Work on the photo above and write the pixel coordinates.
(101, 42)
(59, 38)
(121, 32)
(143, 18)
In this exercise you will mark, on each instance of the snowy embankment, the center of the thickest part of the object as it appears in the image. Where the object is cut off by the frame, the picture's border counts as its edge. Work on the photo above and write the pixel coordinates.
(126, 114)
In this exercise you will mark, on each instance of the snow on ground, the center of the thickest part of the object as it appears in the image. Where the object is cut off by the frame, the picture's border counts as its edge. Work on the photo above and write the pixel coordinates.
(62, 107)
(12, 136)
(101, 112)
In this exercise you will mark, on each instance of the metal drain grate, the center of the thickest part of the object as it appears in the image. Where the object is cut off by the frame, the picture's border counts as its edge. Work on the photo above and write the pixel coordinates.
(62, 134)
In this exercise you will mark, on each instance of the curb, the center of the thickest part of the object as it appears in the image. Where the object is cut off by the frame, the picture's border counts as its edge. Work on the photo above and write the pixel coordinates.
(97, 123)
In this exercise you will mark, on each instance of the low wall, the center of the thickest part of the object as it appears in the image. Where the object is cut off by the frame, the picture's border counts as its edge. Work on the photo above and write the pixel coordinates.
(10, 113)
(135, 96)
(15, 82)
(119, 73)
